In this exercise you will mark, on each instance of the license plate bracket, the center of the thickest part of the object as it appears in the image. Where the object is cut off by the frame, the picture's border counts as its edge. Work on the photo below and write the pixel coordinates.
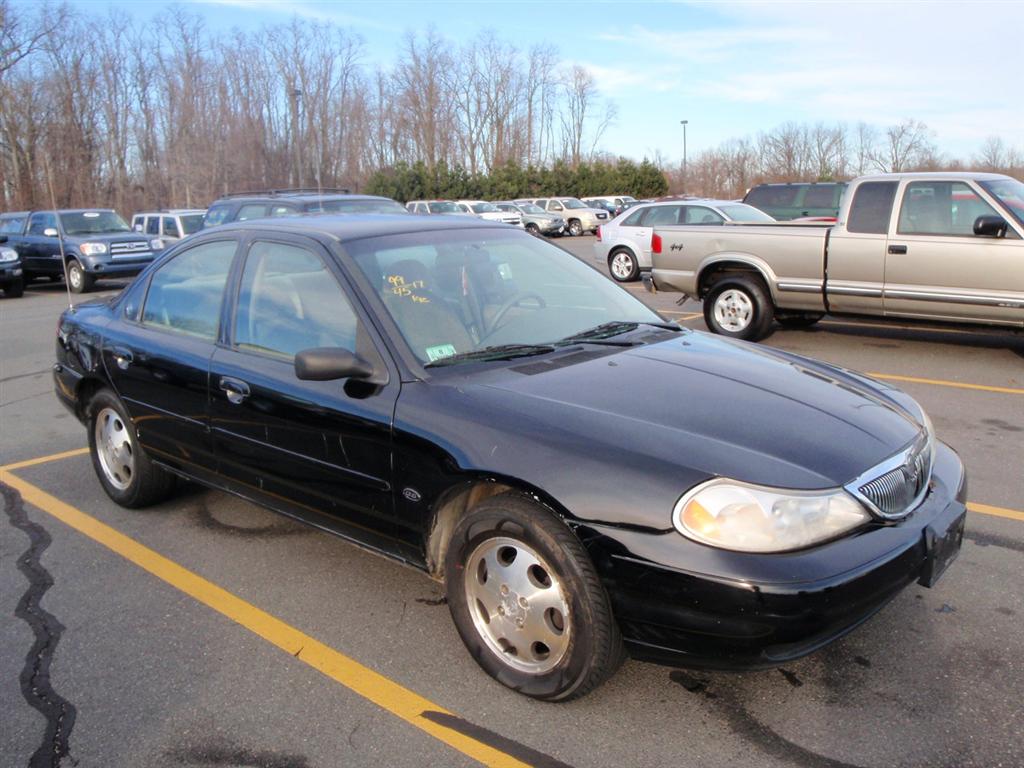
(943, 545)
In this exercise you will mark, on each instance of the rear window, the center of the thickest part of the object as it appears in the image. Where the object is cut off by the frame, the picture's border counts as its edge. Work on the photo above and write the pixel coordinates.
(872, 207)
(217, 214)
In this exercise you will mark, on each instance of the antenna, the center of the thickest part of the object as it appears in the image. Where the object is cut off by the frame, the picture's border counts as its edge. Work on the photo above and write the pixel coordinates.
(60, 231)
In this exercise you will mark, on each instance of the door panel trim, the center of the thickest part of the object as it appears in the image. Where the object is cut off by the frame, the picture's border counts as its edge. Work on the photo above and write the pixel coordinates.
(1008, 302)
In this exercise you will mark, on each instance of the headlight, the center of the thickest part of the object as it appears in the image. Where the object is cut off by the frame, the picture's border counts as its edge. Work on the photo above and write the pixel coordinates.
(156, 244)
(8, 254)
(93, 249)
(751, 518)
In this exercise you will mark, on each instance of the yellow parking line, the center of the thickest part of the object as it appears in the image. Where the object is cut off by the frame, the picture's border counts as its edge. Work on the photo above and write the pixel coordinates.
(987, 509)
(371, 685)
(44, 459)
(684, 315)
(944, 383)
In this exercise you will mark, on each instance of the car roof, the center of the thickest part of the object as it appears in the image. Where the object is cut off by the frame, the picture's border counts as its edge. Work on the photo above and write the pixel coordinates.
(12, 214)
(928, 175)
(302, 197)
(346, 227)
(170, 212)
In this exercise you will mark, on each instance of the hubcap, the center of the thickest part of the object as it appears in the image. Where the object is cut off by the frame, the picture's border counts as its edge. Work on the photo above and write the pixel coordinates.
(734, 310)
(114, 449)
(622, 265)
(518, 605)
(75, 275)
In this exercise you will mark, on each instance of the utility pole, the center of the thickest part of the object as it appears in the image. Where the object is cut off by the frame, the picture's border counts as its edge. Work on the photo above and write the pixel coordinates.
(296, 95)
(683, 123)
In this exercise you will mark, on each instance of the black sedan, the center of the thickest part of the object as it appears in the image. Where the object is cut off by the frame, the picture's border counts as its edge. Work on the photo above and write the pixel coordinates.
(586, 478)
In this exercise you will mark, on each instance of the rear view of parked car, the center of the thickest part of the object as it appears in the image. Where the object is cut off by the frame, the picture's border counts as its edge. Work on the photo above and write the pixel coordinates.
(625, 243)
(784, 202)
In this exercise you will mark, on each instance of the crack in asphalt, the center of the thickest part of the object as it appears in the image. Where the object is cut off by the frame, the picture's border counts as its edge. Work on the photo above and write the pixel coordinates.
(35, 675)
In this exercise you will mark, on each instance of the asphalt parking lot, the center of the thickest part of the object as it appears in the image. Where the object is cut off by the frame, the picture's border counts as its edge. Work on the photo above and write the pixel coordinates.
(208, 632)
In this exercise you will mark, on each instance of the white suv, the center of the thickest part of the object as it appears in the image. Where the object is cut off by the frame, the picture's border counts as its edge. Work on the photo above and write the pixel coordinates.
(170, 225)
(489, 211)
(578, 217)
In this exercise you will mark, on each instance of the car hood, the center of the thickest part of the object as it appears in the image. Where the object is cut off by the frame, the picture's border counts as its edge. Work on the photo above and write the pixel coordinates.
(714, 407)
(111, 237)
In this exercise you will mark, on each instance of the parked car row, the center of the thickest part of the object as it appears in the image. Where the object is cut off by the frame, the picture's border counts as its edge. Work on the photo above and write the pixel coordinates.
(550, 216)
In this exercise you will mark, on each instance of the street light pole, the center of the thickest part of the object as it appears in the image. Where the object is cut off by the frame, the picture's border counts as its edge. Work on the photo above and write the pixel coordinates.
(683, 123)
(297, 102)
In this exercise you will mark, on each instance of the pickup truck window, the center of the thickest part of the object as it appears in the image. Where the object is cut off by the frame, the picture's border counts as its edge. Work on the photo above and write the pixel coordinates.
(872, 207)
(13, 225)
(1010, 193)
(93, 223)
(941, 208)
(40, 222)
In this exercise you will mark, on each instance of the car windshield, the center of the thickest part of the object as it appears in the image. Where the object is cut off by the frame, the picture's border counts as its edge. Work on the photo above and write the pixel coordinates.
(92, 223)
(443, 206)
(191, 223)
(530, 208)
(1010, 193)
(358, 206)
(455, 292)
(571, 203)
(483, 208)
(741, 212)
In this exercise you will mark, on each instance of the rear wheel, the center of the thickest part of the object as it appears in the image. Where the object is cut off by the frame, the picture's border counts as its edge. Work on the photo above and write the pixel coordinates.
(79, 280)
(575, 227)
(623, 265)
(527, 601)
(739, 306)
(122, 466)
(15, 288)
(797, 320)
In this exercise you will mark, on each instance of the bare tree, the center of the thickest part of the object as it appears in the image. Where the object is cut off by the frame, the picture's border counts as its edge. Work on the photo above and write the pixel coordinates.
(903, 146)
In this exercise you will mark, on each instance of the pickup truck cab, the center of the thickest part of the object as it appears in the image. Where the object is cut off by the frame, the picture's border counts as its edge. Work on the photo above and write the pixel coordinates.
(97, 244)
(934, 246)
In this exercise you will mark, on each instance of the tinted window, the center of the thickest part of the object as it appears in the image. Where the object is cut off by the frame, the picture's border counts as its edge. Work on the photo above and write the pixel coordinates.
(171, 227)
(251, 211)
(152, 225)
(185, 293)
(772, 196)
(192, 223)
(698, 214)
(940, 208)
(871, 207)
(93, 223)
(217, 214)
(289, 302)
(820, 196)
(360, 206)
(41, 221)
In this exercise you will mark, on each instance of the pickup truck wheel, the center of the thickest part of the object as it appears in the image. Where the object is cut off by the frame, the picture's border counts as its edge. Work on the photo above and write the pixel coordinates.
(623, 265)
(527, 600)
(122, 466)
(739, 307)
(575, 227)
(79, 280)
(799, 319)
(15, 288)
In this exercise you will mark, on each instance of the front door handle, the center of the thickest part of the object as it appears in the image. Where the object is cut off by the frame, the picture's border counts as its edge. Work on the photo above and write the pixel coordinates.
(122, 356)
(236, 390)
(897, 249)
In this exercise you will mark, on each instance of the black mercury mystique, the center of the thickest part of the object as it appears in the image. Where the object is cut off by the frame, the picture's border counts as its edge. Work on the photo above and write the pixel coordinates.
(586, 478)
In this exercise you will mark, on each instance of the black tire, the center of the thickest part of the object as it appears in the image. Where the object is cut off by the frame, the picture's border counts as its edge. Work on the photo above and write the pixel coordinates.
(623, 266)
(147, 483)
(533, 229)
(797, 320)
(753, 313)
(79, 280)
(593, 649)
(15, 288)
(575, 227)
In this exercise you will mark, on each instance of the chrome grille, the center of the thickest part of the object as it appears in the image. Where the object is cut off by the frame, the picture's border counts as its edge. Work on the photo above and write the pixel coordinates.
(135, 246)
(897, 485)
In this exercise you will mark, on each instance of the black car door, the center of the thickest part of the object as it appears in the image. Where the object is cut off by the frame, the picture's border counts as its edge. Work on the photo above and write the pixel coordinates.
(320, 450)
(158, 358)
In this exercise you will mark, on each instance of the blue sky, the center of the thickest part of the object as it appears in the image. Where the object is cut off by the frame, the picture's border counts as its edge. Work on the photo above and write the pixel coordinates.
(730, 69)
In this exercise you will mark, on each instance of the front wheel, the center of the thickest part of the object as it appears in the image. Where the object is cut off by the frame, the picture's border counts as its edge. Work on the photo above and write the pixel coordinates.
(79, 280)
(533, 229)
(739, 307)
(623, 266)
(575, 228)
(527, 601)
(124, 470)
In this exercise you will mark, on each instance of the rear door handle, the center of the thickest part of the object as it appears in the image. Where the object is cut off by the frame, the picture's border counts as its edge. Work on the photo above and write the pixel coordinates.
(897, 249)
(236, 390)
(122, 356)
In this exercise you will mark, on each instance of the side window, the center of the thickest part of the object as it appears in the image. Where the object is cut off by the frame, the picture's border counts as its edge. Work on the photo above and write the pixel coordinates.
(633, 220)
(820, 196)
(289, 301)
(171, 227)
(251, 211)
(185, 293)
(554, 205)
(137, 223)
(660, 215)
(152, 225)
(40, 222)
(698, 214)
(217, 214)
(872, 207)
(773, 196)
(940, 208)
(12, 225)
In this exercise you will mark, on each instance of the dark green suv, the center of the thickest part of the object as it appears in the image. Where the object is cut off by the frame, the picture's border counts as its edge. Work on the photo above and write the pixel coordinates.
(784, 202)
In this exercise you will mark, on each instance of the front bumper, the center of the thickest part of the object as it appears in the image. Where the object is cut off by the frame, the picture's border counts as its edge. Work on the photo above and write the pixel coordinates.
(118, 268)
(756, 611)
(10, 271)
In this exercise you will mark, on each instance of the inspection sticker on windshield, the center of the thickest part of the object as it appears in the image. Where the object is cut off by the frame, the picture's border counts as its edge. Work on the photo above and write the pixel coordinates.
(440, 351)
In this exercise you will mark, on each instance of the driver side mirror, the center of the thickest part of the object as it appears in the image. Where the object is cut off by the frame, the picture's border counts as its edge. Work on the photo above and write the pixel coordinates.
(990, 226)
(50, 232)
(138, 227)
(331, 363)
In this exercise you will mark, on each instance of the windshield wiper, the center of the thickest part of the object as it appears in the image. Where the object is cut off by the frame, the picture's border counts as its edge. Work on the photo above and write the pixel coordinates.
(599, 333)
(499, 352)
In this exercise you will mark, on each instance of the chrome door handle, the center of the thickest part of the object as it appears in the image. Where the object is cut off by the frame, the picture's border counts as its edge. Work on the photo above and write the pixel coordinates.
(123, 357)
(236, 390)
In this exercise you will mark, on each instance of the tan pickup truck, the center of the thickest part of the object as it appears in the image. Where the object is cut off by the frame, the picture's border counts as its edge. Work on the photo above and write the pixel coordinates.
(936, 246)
